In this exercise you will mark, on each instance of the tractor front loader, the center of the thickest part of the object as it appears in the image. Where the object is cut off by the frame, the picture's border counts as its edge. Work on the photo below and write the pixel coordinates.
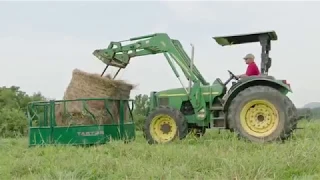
(256, 108)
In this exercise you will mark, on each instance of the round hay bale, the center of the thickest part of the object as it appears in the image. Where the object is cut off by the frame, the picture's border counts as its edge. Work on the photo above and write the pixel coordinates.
(87, 85)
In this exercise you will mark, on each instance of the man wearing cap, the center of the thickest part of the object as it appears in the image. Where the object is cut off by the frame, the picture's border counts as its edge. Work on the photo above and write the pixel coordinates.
(252, 69)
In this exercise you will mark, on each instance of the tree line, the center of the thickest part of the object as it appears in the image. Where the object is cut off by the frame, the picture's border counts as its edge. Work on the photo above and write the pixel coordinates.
(309, 113)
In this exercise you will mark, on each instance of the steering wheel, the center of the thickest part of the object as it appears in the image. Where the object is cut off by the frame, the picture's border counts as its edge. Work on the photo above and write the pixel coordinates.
(233, 76)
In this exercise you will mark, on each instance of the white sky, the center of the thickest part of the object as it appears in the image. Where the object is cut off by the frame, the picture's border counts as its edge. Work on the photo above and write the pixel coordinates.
(42, 42)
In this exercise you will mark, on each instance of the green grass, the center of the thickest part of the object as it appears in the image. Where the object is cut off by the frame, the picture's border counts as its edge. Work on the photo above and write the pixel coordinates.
(215, 156)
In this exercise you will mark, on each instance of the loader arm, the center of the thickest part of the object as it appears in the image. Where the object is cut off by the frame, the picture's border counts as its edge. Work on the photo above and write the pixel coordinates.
(119, 55)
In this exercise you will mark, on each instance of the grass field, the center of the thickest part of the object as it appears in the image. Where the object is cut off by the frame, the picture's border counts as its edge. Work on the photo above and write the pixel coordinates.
(214, 156)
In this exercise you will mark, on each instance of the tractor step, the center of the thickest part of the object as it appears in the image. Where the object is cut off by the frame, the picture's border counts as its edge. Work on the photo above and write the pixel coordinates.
(217, 122)
(218, 118)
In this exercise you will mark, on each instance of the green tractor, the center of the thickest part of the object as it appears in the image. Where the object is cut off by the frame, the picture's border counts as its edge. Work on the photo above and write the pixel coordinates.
(256, 107)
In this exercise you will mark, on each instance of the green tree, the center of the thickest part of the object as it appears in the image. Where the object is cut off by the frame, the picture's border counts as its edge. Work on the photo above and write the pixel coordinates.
(13, 110)
(13, 97)
(13, 122)
(141, 104)
(140, 110)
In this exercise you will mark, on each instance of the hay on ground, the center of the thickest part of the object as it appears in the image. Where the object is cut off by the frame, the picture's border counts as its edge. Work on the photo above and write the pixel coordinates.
(87, 85)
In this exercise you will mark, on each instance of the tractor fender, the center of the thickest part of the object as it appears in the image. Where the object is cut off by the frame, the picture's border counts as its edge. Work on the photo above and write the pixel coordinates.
(283, 88)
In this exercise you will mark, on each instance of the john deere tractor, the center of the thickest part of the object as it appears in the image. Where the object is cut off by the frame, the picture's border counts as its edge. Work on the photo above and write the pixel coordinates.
(256, 107)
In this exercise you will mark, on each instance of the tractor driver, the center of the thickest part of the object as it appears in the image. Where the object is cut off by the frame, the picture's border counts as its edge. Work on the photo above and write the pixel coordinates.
(252, 69)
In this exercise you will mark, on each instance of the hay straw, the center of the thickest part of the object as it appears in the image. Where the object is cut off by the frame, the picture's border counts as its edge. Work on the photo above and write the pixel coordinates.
(87, 85)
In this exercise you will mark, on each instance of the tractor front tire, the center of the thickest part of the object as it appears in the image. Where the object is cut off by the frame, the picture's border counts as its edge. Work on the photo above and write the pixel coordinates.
(262, 114)
(165, 125)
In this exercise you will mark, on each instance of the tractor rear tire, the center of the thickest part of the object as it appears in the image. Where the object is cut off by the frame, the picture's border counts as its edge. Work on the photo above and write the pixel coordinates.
(165, 125)
(262, 114)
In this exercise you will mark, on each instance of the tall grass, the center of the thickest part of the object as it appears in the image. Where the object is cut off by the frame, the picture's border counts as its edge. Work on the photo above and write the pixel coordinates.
(214, 156)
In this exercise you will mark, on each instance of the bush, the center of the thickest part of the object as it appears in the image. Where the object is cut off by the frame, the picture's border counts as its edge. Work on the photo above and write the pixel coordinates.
(13, 122)
(139, 121)
(13, 110)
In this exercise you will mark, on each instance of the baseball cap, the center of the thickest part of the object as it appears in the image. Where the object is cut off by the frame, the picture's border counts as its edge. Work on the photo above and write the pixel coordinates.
(249, 56)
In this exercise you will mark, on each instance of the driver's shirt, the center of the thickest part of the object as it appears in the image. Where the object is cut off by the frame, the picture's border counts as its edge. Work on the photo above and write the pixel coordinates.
(252, 69)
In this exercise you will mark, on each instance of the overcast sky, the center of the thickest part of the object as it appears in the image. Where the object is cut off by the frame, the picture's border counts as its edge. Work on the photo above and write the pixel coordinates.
(41, 43)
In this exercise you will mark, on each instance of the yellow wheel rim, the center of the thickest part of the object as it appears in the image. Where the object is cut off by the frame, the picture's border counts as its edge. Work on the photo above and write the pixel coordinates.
(259, 118)
(163, 128)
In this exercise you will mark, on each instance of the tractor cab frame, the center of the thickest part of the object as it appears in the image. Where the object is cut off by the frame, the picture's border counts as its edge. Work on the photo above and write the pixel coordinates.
(264, 38)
